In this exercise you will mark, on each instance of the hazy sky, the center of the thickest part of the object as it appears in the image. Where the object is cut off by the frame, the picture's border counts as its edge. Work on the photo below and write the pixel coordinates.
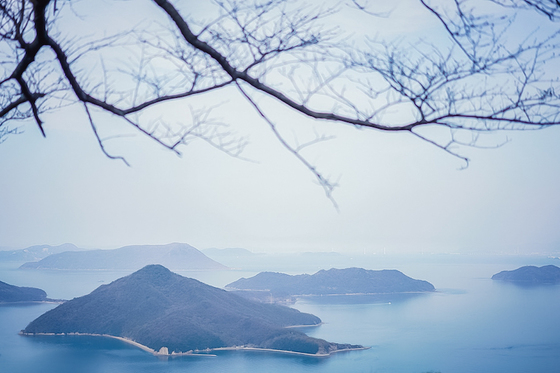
(396, 192)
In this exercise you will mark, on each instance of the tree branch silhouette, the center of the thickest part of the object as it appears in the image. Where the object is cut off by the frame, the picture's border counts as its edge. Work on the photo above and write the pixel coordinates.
(475, 81)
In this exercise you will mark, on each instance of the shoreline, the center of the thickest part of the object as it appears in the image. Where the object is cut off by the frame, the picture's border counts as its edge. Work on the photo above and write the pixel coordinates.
(244, 348)
(357, 294)
(304, 325)
(163, 352)
(294, 298)
(123, 339)
(334, 294)
(46, 301)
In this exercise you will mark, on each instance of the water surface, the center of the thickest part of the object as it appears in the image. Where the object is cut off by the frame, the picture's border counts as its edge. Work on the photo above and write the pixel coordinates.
(471, 324)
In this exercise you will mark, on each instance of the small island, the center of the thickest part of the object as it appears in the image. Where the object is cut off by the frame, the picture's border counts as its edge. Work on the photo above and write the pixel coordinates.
(349, 281)
(10, 294)
(531, 275)
(168, 314)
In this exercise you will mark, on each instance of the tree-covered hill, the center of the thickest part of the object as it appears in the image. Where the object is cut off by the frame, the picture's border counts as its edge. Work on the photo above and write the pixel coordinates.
(549, 274)
(333, 281)
(158, 308)
(11, 293)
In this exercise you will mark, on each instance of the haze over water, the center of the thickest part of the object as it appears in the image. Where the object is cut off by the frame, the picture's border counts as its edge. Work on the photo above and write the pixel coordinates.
(470, 324)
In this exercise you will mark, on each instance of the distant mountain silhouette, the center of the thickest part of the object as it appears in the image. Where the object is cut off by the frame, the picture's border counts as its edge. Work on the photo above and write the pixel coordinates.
(531, 275)
(158, 308)
(331, 282)
(178, 256)
(232, 251)
(11, 293)
(34, 253)
(321, 254)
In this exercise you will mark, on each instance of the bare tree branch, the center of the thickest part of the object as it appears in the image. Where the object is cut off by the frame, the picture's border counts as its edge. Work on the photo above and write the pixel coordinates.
(481, 77)
(326, 184)
(99, 141)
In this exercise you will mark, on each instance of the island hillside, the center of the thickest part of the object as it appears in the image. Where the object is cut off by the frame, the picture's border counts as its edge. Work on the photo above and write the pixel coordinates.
(160, 309)
(332, 282)
(531, 275)
(178, 256)
(10, 293)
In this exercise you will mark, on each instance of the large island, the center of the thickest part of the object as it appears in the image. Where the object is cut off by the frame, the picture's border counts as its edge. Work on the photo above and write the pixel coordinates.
(178, 256)
(349, 281)
(170, 314)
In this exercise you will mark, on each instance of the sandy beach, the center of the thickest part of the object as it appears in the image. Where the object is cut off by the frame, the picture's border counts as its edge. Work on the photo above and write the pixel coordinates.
(163, 352)
(244, 348)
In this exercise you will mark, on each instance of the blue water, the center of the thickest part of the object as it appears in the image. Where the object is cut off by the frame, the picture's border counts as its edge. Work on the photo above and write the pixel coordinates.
(472, 324)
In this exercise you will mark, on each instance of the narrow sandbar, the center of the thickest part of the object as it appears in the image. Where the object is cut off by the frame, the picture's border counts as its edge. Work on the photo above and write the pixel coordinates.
(163, 352)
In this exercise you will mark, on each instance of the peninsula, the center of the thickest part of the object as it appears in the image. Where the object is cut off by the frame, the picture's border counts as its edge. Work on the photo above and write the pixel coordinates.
(531, 275)
(331, 282)
(169, 314)
(177, 256)
(10, 293)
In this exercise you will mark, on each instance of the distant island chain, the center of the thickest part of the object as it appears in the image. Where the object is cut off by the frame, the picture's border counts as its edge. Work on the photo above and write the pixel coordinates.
(167, 314)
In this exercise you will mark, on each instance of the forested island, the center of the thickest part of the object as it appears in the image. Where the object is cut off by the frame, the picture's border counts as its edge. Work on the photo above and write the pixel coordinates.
(10, 293)
(531, 275)
(172, 314)
(331, 282)
(179, 256)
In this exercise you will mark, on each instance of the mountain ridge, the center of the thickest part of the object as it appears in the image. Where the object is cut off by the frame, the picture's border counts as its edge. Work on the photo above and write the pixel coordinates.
(179, 256)
(36, 252)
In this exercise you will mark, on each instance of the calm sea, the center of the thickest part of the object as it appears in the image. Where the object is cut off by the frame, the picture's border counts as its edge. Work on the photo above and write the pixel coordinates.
(471, 324)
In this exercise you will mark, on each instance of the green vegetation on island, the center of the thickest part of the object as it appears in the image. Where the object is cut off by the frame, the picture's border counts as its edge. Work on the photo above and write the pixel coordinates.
(160, 309)
(178, 256)
(332, 282)
(531, 275)
(10, 293)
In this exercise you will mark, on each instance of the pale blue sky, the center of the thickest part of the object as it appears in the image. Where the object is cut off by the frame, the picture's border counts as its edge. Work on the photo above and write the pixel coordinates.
(396, 192)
